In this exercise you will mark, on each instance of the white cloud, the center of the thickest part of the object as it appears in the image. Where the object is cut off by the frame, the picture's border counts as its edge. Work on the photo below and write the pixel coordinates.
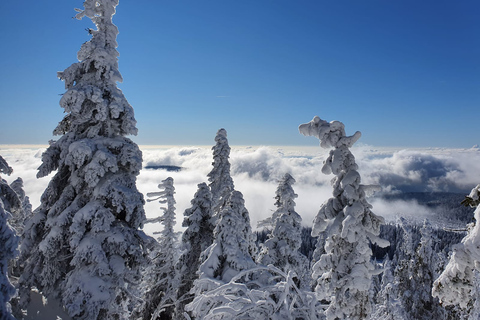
(256, 171)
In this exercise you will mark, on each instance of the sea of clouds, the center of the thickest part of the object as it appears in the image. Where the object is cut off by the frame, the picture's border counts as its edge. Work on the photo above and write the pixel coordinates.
(256, 171)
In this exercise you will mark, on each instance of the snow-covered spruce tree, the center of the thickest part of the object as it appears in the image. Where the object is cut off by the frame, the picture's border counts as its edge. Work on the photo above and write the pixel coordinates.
(8, 244)
(161, 296)
(11, 200)
(17, 207)
(232, 251)
(196, 238)
(388, 305)
(8, 251)
(345, 271)
(455, 286)
(18, 221)
(221, 183)
(281, 249)
(403, 274)
(83, 245)
(425, 306)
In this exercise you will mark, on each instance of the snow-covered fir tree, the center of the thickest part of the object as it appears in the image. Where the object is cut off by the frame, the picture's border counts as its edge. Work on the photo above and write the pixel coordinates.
(345, 271)
(196, 238)
(388, 305)
(425, 306)
(8, 242)
(161, 296)
(281, 249)
(221, 183)
(17, 207)
(456, 284)
(17, 221)
(83, 245)
(8, 251)
(10, 197)
(404, 258)
(233, 250)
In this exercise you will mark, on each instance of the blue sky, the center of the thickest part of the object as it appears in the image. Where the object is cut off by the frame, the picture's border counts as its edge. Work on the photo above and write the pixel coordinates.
(404, 73)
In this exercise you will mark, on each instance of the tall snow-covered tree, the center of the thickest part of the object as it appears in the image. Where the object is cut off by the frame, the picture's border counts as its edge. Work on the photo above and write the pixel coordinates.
(196, 238)
(281, 249)
(233, 249)
(456, 284)
(345, 271)
(83, 245)
(221, 183)
(161, 296)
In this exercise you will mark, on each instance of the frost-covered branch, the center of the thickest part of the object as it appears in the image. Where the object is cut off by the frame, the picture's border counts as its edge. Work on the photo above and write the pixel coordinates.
(264, 292)
(455, 286)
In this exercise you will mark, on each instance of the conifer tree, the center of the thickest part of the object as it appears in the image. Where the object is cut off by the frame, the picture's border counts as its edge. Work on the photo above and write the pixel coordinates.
(425, 306)
(160, 298)
(404, 256)
(284, 241)
(17, 221)
(221, 183)
(83, 245)
(233, 248)
(456, 284)
(345, 271)
(8, 243)
(388, 305)
(17, 207)
(196, 238)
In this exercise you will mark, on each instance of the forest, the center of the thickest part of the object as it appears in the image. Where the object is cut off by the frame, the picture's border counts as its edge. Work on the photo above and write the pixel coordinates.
(84, 251)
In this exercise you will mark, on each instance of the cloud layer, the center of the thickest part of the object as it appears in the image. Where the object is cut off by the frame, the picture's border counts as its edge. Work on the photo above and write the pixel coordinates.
(256, 171)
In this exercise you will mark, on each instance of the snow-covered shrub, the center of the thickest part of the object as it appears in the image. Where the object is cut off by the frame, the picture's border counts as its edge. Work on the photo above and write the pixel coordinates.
(345, 271)
(258, 293)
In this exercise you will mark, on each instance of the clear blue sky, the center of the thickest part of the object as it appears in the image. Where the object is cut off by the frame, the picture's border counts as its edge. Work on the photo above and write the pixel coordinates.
(403, 72)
